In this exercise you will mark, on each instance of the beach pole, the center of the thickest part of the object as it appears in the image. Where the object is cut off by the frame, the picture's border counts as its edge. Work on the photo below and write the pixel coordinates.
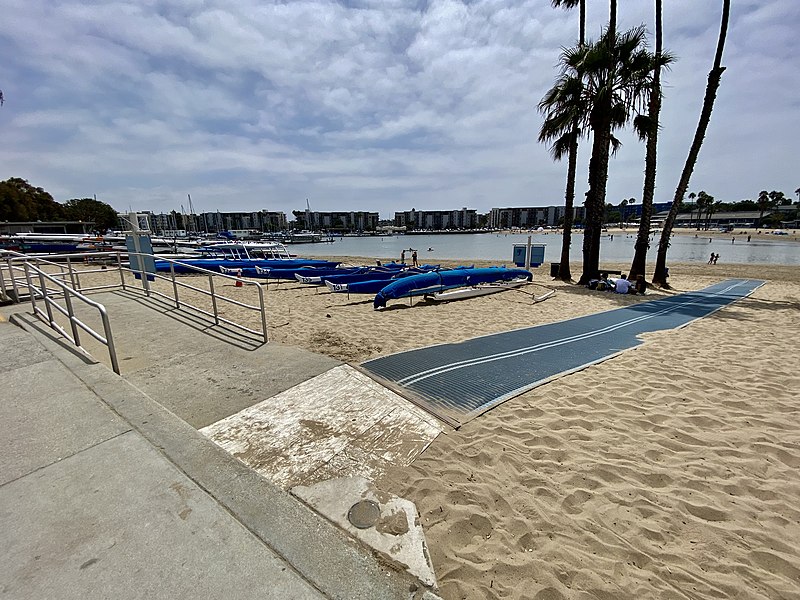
(528, 255)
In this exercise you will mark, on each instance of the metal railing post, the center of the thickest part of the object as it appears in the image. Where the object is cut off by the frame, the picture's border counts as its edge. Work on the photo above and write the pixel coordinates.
(112, 350)
(174, 284)
(71, 273)
(71, 316)
(263, 313)
(121, 272)
(3, 283)
(46, 298)
(14, 279)
(26, 268)
(213, 298)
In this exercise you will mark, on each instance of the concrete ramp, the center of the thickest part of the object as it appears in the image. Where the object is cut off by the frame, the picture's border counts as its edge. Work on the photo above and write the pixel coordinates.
(338, 424)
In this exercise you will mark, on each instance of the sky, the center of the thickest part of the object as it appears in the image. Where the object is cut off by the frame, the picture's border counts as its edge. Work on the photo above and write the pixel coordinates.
(381, 105)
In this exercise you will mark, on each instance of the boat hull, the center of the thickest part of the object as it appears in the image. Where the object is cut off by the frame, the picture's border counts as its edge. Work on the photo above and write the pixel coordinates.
(476, 291)
(430, 283)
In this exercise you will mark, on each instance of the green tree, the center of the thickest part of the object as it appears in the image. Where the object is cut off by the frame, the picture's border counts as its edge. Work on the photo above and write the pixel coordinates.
(714, 77)
(567, 143)
(647, 127)
(20, 201)
(89, 209)
(605, 83)
(706, 202)
(713, 207)
(779, 198)
(692, 196)
(764, 203)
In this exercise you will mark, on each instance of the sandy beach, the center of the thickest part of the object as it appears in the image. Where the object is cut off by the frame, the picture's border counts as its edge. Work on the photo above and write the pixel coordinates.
(669, 471)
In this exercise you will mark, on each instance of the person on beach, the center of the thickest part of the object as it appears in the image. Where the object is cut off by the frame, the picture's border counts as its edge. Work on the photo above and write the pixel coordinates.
(622, 285)
(711, 259)
(716, 258)
(414, 261)
(403, 256)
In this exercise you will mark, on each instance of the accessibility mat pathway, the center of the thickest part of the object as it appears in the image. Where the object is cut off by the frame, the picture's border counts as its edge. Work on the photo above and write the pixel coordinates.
(458, 382)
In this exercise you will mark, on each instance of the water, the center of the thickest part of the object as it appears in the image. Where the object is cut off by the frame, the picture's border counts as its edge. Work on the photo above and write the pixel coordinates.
(491, 246)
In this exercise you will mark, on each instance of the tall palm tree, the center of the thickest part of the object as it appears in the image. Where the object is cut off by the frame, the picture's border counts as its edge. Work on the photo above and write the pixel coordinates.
(714, 77)
(692, 196)
(571, 143)
(622, 206)
(713, 206)
(648, 129)
(618, 76)
(706, 201)
(764, 202)
(797, 191)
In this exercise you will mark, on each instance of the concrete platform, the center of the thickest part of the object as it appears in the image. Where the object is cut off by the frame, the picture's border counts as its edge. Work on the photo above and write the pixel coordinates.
(199, 371)
(106, 493)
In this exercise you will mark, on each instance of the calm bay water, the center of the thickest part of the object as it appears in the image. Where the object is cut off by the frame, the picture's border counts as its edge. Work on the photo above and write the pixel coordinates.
(491, 246)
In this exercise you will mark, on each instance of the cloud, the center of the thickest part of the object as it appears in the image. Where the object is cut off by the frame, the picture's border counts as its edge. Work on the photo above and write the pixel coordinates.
(363, 105)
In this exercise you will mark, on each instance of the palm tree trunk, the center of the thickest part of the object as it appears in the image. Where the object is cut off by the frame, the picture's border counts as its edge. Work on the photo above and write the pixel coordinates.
(714, 76)
(564, 272)
(654, 109)
(596, 199)
(612, 20)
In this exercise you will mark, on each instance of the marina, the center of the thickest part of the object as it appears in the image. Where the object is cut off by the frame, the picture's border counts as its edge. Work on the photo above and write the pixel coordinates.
(762, 249)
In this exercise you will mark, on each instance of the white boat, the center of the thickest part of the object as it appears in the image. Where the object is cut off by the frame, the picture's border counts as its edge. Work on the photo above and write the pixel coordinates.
(245, 249)
(483, 289)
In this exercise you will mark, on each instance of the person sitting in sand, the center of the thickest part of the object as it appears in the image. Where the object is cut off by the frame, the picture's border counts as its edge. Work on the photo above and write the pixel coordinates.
(622, 285)
(604, 284)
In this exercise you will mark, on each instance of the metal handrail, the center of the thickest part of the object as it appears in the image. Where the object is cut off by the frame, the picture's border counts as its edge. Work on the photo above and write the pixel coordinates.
(42, 292)
(211, 292)
(117, 264)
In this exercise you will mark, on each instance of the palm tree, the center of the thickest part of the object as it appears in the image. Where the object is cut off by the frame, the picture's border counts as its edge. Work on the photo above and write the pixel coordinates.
(570, 145)
(713, 206)
(714, 77)
(692, 196)
(706, 201)
(603, 84)
(622, 206)
(763, 205)
(797, 191)
(648, 128)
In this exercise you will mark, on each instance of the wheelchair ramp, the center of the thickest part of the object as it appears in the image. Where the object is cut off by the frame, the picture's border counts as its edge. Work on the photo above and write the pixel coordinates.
(458, 382)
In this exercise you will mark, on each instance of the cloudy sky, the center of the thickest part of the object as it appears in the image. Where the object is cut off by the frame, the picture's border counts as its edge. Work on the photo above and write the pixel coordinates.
(366, 105)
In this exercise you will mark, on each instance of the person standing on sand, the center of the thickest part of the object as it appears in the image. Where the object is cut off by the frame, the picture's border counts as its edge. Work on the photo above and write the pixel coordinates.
(716, 258)
(414, 259)
(403, 256)
(711, 259)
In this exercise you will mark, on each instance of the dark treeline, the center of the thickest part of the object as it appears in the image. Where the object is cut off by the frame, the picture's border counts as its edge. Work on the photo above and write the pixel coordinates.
(20, 201)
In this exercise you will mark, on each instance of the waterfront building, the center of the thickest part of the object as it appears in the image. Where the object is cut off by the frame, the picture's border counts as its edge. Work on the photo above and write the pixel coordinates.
(437, 220)
(529, 217)
(335, 220)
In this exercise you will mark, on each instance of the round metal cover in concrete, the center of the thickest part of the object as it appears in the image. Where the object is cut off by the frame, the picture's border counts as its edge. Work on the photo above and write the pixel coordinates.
(364, 514)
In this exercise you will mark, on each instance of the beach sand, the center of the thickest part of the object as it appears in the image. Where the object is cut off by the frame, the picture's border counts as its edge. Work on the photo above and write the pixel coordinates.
(669, 471)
